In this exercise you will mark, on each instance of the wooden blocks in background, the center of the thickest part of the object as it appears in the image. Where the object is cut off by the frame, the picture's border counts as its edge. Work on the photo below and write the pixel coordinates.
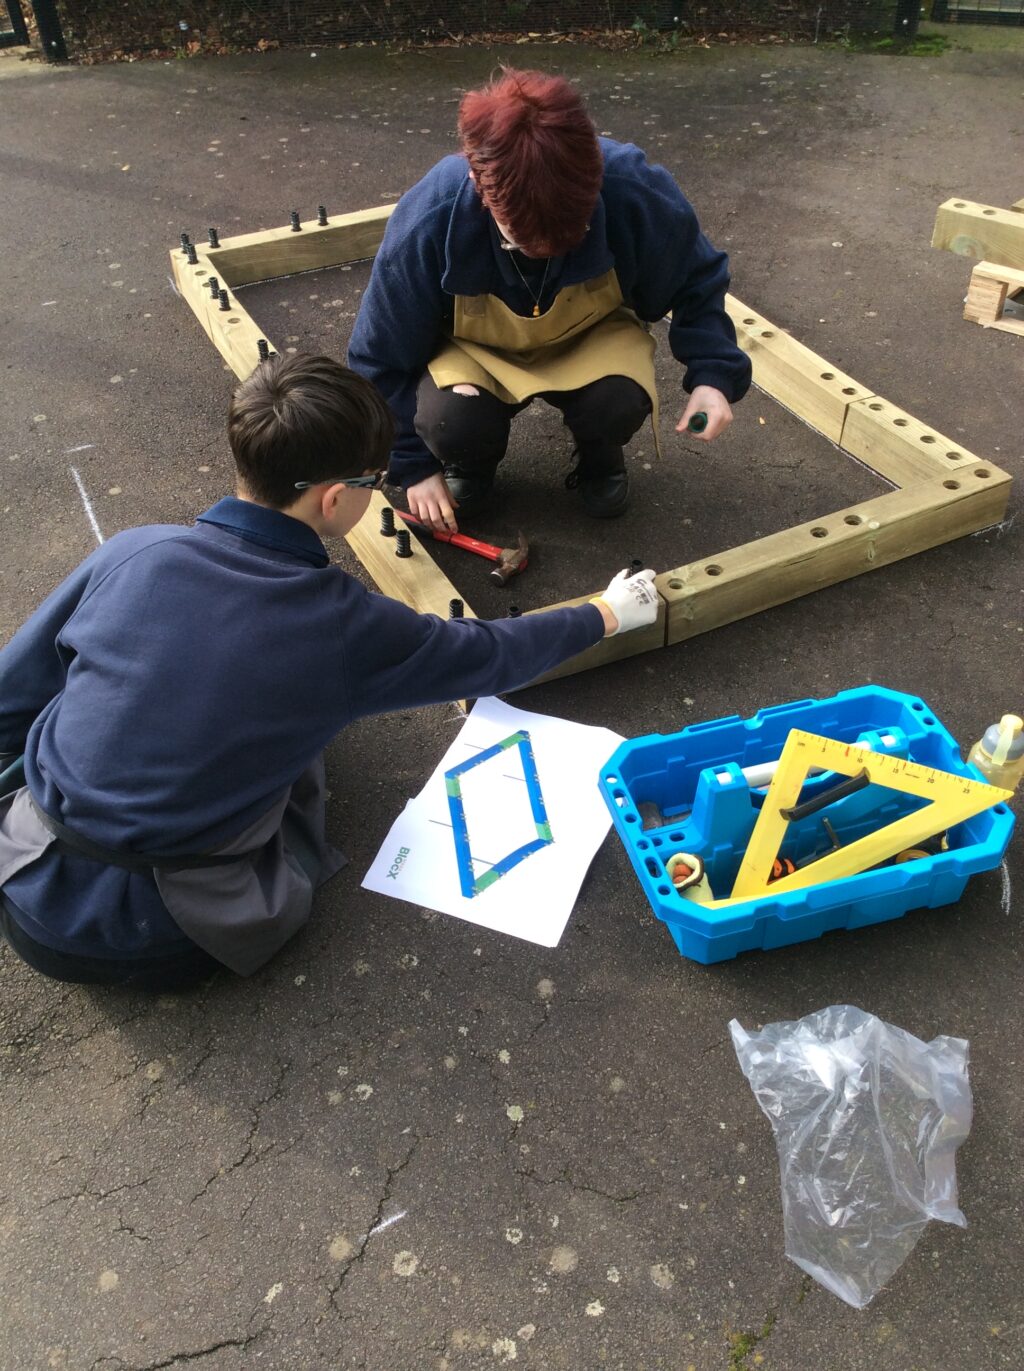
(995, 239)
(987, 295)
(980, 231)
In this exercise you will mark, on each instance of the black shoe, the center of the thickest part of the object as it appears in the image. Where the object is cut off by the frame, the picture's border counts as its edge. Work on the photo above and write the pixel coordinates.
(605, 495)
(472, 491)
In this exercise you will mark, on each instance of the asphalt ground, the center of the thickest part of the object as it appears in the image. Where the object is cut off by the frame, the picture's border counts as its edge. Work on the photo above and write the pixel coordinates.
(317, 1167)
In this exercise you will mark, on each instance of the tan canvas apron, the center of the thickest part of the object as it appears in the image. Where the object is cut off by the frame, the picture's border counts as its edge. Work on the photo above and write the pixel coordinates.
(585, 335)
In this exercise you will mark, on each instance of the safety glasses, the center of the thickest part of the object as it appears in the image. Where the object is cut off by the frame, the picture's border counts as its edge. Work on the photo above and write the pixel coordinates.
(373, 482)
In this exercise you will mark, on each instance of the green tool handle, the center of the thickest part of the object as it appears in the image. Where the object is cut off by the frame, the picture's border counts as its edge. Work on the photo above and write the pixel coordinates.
(827, 797)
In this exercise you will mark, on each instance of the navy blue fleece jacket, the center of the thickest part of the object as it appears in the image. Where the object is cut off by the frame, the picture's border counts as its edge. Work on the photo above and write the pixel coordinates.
(176, 685)
(440, 242)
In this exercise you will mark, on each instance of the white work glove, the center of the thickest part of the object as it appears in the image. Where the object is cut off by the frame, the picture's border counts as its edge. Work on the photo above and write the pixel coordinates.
(632, 600)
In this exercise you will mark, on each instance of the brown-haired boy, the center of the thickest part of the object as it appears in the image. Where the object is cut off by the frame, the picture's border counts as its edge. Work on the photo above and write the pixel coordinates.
(173, 697)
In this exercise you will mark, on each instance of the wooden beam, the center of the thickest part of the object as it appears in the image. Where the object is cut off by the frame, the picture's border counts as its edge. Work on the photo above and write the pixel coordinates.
(417, 581)
(745, 580)
(792, 374)
(233, 333)
(253, 257)
(980, 231)
(897, 446)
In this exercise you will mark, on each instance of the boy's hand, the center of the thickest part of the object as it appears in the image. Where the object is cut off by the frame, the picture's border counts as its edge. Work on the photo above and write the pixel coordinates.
(433, 504)
(629, 602)
(707, 400)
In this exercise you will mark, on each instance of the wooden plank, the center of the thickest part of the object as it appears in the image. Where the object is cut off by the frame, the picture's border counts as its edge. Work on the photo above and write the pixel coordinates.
(417, 581)
(1005, 325)
(250, 257)
(1018, 206)
(745, 580)
(612, 649)
(234, 334)
(980, 231)
(993, 272)
(898, 446)
(792, 374)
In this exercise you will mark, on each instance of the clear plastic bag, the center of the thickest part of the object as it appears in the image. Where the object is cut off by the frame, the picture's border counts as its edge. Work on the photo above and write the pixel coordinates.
(867, 1119)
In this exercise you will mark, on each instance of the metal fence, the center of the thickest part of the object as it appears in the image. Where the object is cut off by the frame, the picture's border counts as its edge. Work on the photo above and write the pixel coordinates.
(978, 11)
(13, 29)
(100, 29)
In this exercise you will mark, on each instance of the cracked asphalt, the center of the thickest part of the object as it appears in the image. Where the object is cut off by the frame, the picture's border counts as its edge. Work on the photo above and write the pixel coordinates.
(410, 1144)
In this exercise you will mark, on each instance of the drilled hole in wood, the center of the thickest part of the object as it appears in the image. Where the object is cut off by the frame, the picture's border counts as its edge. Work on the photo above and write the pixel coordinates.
(876, 407)
(819, 532)
(983, 472)
(927, 438)
(849, 390)
(767, 333)
(958, 204)
(954, 455)
(988, 211)
(233, 319)
(951, 485)
(713, 569)
(828, 376)
(901, 423)
(750, 321)
(200, 273)
(675, 584)
(853, 519)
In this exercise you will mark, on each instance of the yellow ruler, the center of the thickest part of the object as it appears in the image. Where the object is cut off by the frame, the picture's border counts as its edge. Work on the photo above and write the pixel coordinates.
(952, 799)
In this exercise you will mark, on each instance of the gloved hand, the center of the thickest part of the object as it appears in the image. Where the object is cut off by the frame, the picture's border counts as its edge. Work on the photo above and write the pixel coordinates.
(631, 601)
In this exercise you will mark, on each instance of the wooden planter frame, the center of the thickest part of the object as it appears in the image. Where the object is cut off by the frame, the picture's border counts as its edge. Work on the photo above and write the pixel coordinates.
(941, 491)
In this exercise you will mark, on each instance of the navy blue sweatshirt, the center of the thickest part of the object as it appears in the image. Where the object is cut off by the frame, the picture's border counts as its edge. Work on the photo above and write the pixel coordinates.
(176, 685)
(440, 242)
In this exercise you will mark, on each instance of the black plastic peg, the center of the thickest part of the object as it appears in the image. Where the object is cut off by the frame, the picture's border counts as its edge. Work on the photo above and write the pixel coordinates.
(214, 237)
(190, 253)
(296, 225)
(636, 565)
(184, 241)
(214, 285)
(403, 543)
(263, 348)
(514, 611)
(321, 215)
(222, 296)
(387, 522)
(456, 609)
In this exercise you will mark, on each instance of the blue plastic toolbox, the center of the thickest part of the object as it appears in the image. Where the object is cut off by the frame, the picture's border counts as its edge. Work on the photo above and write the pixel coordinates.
(687, 792)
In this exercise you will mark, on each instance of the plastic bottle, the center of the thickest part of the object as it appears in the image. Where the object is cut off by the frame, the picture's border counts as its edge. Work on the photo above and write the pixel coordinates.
(999, 755)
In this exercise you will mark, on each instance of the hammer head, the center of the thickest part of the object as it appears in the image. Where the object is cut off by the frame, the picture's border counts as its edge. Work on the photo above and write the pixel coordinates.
(511, 562)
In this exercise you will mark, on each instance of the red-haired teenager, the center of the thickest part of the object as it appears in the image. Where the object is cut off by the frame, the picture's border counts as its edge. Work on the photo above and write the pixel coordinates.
(531, 265)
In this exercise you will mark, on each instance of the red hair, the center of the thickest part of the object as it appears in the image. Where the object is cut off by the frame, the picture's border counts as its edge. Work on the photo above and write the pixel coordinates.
(534, 155)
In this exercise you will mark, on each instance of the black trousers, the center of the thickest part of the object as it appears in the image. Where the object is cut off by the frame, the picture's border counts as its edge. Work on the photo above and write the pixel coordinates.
(470, 432)
(177, 972)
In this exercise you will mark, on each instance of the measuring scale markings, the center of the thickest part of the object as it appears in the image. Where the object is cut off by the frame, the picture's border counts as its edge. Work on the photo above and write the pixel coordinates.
(950, 800)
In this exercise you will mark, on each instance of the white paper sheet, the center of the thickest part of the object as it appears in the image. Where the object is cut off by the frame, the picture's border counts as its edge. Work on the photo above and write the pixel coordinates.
(503, 813)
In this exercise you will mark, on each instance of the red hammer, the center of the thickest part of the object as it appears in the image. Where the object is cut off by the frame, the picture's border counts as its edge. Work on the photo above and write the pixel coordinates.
(510, 560)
